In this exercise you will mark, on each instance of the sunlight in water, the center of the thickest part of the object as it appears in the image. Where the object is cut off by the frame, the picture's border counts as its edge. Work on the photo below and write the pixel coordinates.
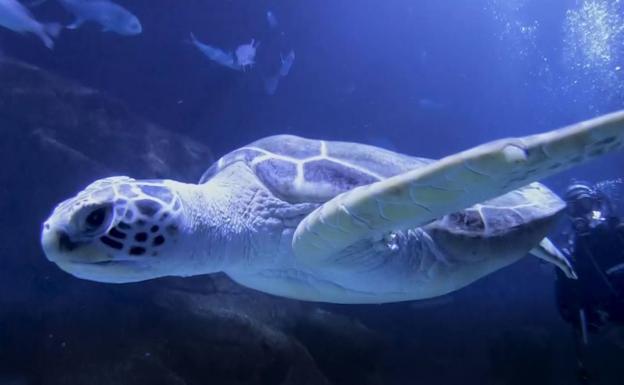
(593, 34)
(593, 44)
(520, 34)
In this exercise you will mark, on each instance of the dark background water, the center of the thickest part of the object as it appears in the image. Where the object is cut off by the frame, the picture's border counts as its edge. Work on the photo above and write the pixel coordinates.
(427, 77)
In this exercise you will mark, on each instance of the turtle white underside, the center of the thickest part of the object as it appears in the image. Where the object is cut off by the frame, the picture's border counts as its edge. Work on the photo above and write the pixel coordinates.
(341, 251)
(418, 263)
(331, 221)
(413, 264)
(458, 181)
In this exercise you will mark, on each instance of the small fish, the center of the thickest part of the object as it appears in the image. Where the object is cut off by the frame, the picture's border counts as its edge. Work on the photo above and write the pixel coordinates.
(271, 19)
(617, 269)
(215, 54)
(246, 54)
(110, 16)
(14, 16)
(271, 83)
(287, 63)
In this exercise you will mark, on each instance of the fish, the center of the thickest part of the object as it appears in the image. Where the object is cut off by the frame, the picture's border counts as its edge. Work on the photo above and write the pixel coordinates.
(17, 18)
(215, 54)
(246, 54)
(271, 83)
(112, 17)
(615, 270)
(271, 19)
(287, 63)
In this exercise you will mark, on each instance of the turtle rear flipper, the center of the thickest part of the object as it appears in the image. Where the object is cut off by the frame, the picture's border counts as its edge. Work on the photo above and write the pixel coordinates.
(548, 252)
(453, 183)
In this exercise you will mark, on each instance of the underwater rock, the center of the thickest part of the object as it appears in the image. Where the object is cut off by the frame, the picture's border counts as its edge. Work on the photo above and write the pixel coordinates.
(226, 346)
(212, 296)
(347, 351)
(56, 329)
(321, 346)
(16, 17)
(133, 369)
(57, 136)
(60, 117)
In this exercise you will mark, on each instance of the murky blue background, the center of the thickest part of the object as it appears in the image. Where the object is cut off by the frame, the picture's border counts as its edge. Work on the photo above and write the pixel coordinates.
(445, 73)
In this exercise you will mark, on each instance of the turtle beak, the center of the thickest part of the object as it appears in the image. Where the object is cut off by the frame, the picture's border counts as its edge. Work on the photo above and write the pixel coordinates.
(84, 259)
(59, 247)
(53, 241)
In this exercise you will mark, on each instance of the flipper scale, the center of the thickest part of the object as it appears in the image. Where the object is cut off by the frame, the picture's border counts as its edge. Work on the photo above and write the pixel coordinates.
(456, 182)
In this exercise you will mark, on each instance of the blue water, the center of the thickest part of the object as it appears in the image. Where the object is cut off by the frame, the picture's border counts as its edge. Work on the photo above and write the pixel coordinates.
(426, 77)
(495, 67)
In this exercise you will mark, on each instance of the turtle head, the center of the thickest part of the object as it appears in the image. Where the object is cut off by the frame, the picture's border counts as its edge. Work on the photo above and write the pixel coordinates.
(116, 230)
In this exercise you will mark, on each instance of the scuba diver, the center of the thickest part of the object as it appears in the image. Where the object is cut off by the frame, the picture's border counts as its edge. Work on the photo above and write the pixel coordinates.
(595, 301)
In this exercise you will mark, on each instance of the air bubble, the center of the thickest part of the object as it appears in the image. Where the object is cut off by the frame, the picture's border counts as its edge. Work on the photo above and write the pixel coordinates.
(392, 242)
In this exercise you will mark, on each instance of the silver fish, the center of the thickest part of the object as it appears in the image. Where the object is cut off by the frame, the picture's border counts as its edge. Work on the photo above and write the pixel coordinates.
(271, 83)
(215, 54)
(271, 19)
(14, 16)
(287, 62)
(112, 17)
(246, 54)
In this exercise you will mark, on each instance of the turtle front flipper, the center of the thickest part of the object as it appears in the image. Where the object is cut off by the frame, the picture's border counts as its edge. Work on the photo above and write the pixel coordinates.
(548, 252)
(453, 183)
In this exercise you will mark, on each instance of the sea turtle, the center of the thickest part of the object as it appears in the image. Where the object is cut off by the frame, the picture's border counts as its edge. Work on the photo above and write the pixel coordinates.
(331, 221)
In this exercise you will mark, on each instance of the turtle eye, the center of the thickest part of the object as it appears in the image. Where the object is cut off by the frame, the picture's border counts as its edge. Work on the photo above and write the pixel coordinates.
(95, 219)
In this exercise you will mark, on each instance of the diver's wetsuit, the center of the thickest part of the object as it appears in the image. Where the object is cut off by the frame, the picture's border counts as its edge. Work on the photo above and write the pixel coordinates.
(596, 299)
(598, 258)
